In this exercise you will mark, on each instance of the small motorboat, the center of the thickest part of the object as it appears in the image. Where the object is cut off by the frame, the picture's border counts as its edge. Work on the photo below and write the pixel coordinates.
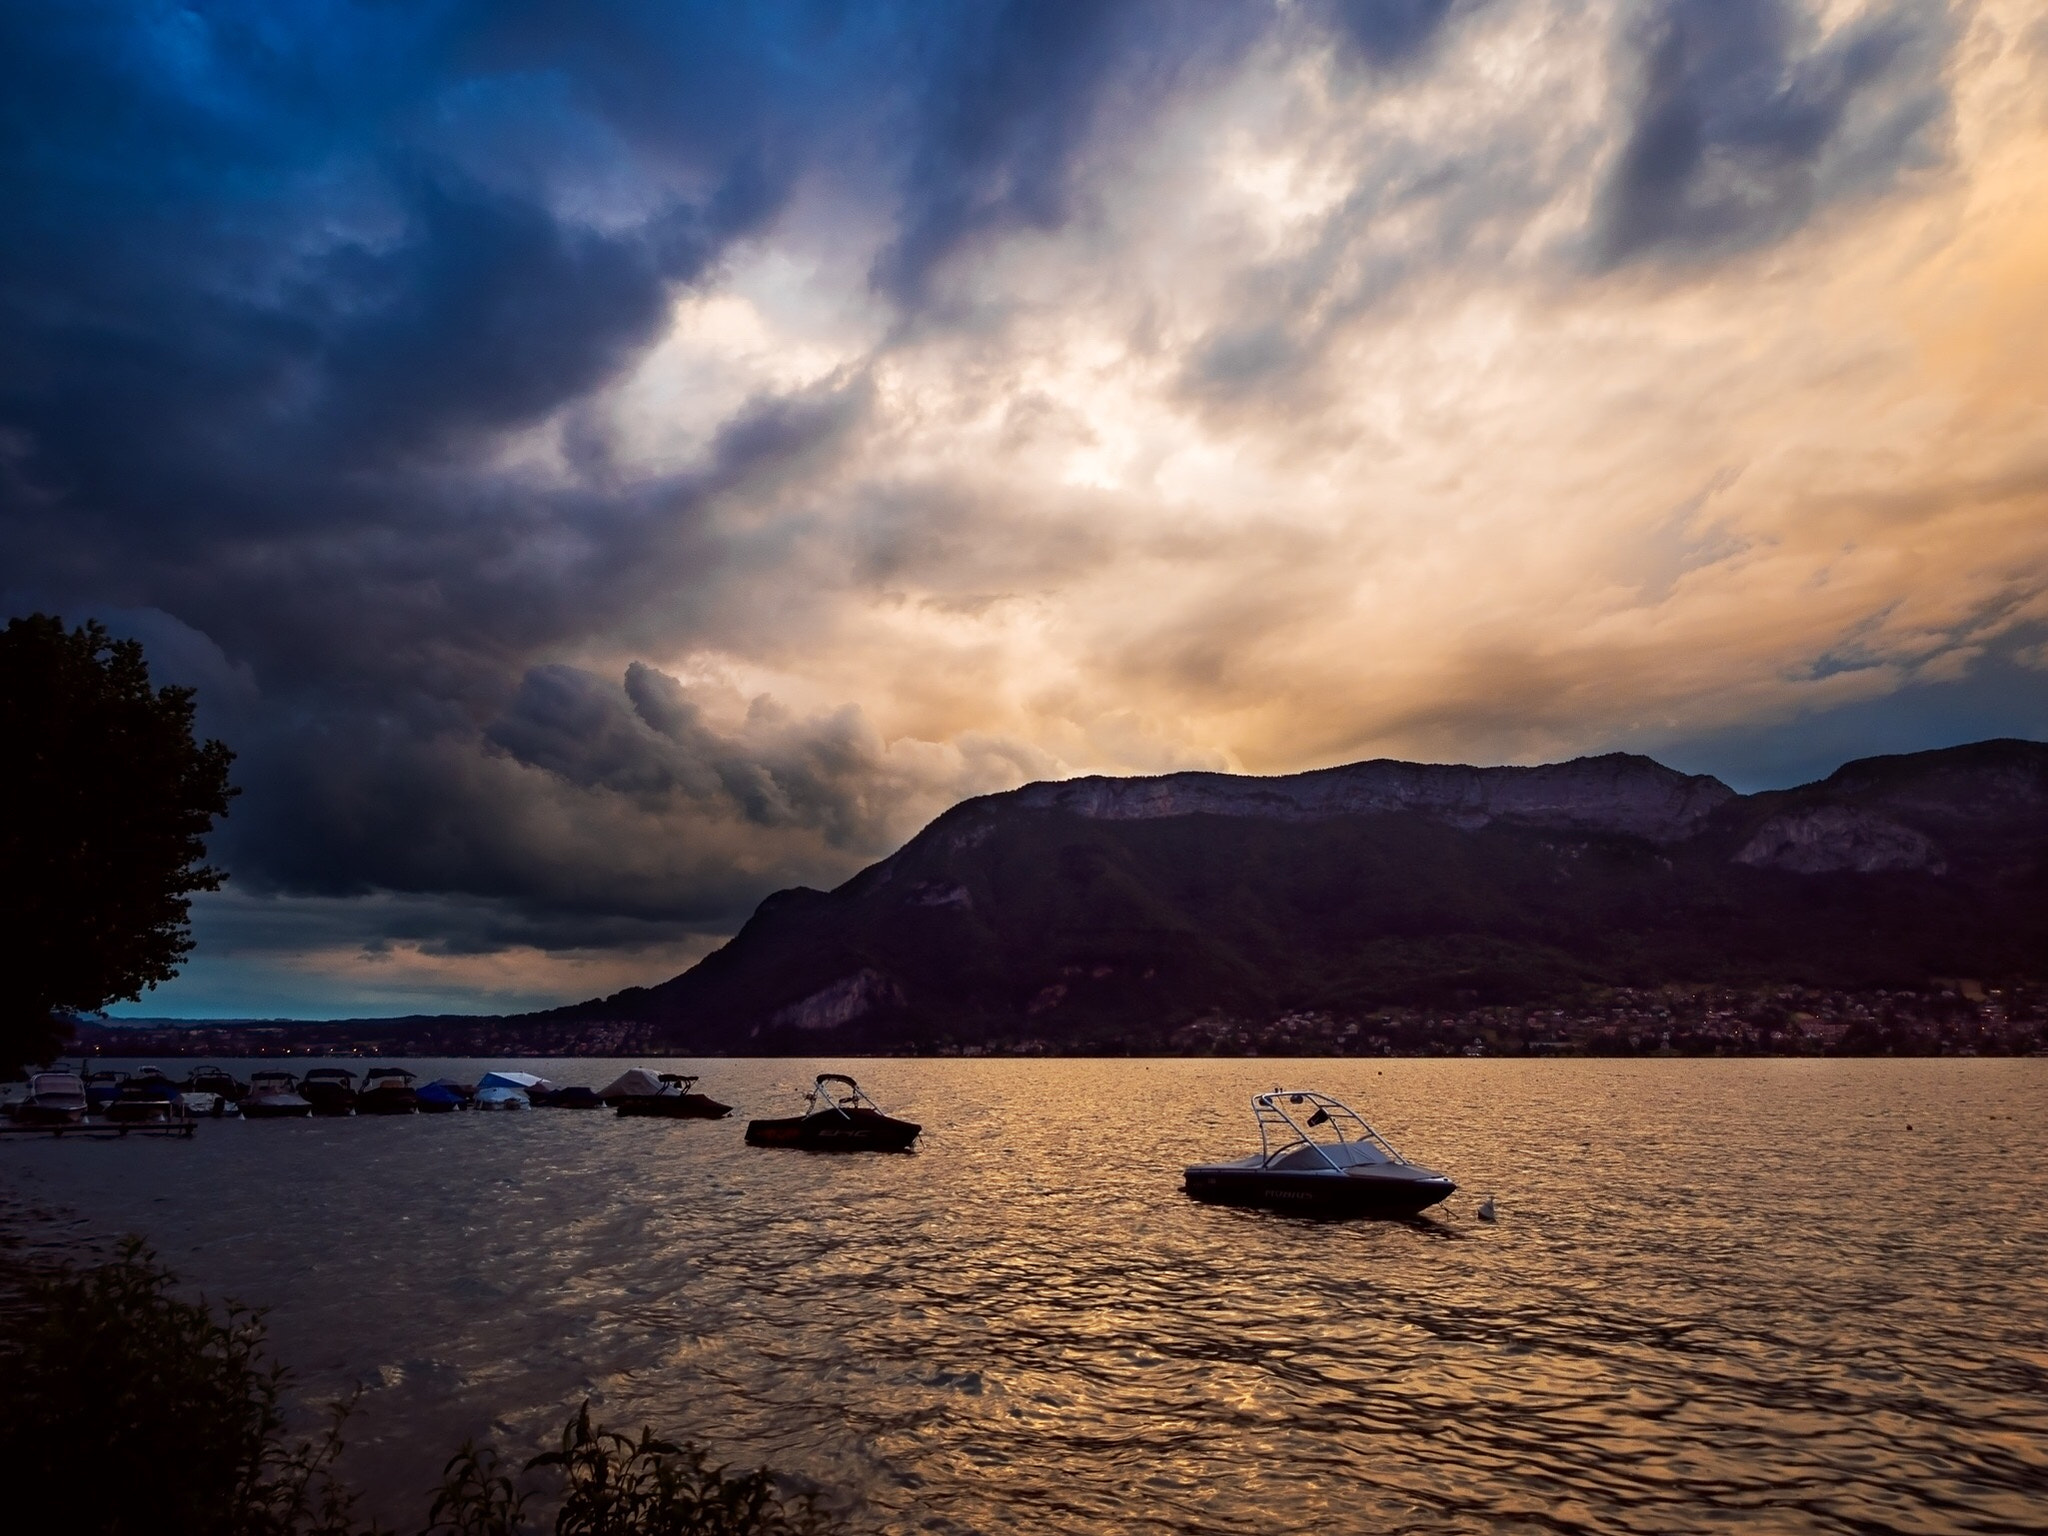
(217, 1081)
(443, 1097)
(274, 1096)
(387, 1091)
(330, 1090)
(1349, 1170)
(199, 1104)
(54, 1098)
(841, 1119)
(147, 1098)
(576, 1096)
(501, 1096)
(674, 1101)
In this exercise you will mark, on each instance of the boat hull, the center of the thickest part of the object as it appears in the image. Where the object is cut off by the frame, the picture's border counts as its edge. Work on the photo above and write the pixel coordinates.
(266, 1108)
(861, 1130)
(673, 1106)
(388, 1101)
(1327, 1194)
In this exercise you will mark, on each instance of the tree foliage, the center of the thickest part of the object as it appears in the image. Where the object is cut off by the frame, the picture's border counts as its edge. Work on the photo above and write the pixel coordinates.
(126, 1410)
(106, 798)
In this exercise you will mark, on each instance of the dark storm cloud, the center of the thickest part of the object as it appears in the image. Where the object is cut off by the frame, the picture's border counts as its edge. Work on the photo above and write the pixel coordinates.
(1748, 121)
(1014, 99)
(1389, 31)
(321, 326)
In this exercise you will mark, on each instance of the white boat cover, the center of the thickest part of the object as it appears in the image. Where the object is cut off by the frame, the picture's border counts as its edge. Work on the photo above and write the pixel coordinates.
(523, 1081)
(633, 1083)
(502, 1096)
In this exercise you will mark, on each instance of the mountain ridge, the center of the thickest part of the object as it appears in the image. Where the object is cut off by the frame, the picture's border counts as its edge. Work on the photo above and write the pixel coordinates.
(1120, 909)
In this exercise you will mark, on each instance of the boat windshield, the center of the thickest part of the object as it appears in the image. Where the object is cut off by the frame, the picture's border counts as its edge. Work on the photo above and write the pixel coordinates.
(273, 1082)
(678, 1081)
(1299, 1128)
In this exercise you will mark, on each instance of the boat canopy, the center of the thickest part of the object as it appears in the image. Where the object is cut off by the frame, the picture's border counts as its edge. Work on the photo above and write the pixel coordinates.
(633, 1083)
(525, 1082)
(1289, 1120)
(824, 1100)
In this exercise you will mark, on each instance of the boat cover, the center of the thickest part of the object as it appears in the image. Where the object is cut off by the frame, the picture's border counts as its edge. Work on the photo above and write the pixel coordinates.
(442, 1093)
(525, 1082)
(633, 1083)
(502, 1096)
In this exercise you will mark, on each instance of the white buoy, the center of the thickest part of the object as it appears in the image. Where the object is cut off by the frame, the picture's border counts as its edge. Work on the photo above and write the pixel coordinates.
(1486, 1209)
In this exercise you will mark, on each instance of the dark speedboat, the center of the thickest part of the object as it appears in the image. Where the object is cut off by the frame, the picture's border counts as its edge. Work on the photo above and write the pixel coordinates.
(1349, 1170)
(674, 1101)
(387, 1091)
(274, 1096)
(841, 1119)
(330, 1090)
(575, 1096)
(54, 1098)
(216, 1081)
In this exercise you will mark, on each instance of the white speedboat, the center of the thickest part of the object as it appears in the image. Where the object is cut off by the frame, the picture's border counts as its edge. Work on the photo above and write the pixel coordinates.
(1318, 1154)
(54, 1098)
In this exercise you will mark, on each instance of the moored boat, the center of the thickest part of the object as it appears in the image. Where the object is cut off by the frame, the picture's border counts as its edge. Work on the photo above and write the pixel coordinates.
(218, 1081)
(103, 1087)
(387, 1091)
(1348, 1170)
(501, 1096)
(673, 1101)
(274, 1096)
(53, 1098)
(841, 1118)
(330, 1090)
(147, 1098)
(575, 1096)
(442, 1097)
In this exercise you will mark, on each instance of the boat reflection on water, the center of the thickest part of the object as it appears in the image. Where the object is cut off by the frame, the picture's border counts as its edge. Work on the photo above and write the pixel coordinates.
(1318, 1154)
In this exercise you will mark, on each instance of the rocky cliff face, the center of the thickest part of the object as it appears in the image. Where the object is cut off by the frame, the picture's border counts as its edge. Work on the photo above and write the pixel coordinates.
(1614, 793)
(1114, 910)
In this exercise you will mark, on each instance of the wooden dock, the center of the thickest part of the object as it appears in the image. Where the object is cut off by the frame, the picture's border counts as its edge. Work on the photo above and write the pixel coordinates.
(106, 1130)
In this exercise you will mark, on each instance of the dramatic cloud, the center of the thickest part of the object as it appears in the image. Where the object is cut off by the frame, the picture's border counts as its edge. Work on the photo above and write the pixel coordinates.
(601, 463)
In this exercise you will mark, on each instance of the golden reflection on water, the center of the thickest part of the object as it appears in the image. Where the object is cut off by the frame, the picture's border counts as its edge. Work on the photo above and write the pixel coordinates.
(1721, 1295)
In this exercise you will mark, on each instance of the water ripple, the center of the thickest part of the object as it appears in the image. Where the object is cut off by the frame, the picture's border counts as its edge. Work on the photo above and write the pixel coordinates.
(1734, 1296)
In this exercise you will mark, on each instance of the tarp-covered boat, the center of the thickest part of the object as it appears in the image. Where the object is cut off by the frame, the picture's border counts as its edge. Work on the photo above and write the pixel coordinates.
(274, 1096)
(841, 1119)
(441, 1097)
(1318, 1154)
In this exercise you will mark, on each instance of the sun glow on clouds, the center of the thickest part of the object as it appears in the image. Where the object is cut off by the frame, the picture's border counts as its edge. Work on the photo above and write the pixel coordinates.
(1542, 379)
(1323, 433)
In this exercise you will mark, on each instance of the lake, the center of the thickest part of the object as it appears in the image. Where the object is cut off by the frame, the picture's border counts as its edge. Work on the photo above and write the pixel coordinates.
(1772, 1296)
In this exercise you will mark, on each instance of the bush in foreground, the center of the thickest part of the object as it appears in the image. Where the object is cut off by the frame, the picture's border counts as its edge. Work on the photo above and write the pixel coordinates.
(127, 1411)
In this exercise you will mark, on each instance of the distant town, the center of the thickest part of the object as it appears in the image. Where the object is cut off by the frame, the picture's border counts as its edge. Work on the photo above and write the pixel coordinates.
(1960, 1017)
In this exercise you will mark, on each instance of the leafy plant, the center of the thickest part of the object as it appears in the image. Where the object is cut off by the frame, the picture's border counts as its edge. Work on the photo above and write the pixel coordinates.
(124, 1409)
(615, 1485)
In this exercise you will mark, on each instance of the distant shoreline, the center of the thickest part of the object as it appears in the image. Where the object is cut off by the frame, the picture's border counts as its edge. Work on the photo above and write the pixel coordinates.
(1955, 1017)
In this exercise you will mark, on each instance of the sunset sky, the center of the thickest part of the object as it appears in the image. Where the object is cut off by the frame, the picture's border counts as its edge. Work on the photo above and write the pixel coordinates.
(601, 463)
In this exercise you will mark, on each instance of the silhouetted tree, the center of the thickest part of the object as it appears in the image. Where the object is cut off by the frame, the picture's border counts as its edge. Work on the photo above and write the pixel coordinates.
(105, 802)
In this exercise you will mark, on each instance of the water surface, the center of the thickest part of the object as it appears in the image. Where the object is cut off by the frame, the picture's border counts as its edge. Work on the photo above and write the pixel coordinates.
(1783, 1296)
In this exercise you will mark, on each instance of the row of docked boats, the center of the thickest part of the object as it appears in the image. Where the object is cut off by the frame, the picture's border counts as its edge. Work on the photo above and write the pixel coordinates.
(839, 1116)
(1315, 1152)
